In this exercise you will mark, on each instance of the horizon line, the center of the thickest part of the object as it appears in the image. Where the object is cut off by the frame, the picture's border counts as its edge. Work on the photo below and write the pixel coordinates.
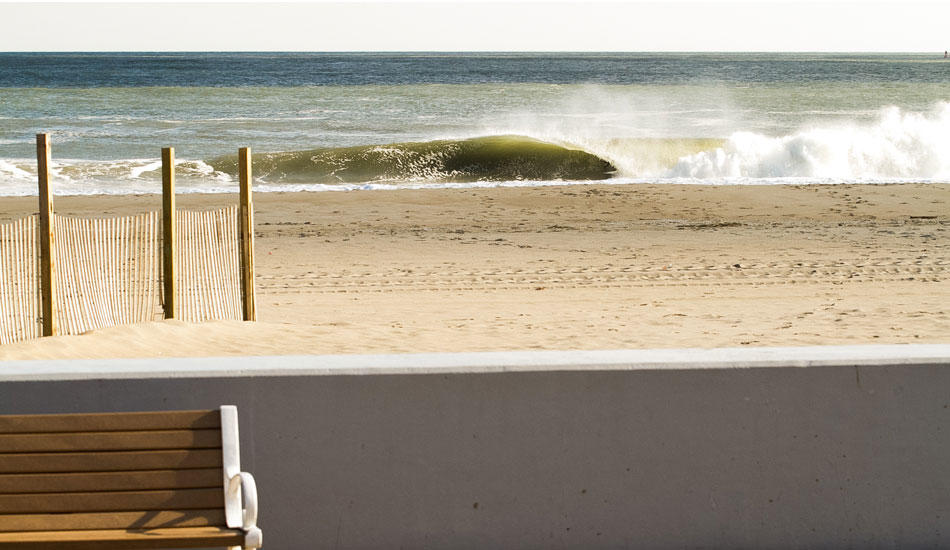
(865, 52)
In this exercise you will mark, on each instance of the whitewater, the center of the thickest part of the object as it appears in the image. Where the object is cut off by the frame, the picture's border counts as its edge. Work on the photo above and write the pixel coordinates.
(476, 120)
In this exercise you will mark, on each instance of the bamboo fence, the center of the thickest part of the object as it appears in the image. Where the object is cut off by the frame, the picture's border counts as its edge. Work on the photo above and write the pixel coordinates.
(107, 271)
(209, 271)
(66, 275)
(19, 284)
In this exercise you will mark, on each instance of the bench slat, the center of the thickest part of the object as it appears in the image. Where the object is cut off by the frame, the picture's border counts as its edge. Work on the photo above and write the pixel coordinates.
(112, 520)
(182, 499)
(110, 441)
(110, 481)
(122, 539)
(109, 461)
(165, 420)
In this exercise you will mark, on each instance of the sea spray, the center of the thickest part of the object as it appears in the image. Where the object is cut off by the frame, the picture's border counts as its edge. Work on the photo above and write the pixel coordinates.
(899, 145)
(641, 130)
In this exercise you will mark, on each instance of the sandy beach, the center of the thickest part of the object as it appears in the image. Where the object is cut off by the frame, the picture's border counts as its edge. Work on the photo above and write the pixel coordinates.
(562, 267)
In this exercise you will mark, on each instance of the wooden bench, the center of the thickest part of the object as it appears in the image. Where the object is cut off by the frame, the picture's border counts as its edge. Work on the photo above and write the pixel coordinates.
(125, 480)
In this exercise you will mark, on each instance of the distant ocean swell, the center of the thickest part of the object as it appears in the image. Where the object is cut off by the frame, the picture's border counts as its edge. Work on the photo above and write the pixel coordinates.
(897, 146)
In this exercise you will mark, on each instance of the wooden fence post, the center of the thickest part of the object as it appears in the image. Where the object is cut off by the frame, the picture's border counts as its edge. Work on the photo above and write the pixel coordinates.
(47, 245)
(246, 217)
(169, 258)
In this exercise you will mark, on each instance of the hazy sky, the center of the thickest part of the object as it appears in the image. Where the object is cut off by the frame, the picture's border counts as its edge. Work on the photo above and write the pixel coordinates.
(677, 25)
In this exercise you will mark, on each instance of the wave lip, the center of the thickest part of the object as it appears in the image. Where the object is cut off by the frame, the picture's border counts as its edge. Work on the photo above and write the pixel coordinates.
(488, 159)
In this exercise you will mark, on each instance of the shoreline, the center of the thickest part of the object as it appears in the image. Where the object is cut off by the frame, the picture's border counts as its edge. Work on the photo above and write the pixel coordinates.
(599, 266)
(383, 187)
(21, 204)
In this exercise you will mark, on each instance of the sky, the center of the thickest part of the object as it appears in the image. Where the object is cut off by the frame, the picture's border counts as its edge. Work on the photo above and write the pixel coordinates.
(677, 25)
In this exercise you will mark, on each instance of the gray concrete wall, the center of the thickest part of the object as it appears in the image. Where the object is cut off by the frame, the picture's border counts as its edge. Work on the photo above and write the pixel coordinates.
(680, 449)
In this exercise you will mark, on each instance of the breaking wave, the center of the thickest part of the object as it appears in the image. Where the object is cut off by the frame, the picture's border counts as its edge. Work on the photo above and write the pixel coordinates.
(482, 159)
(898, 145)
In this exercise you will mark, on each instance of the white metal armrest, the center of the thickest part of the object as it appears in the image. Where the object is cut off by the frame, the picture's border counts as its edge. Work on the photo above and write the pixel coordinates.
(236, 514)
(243, 482)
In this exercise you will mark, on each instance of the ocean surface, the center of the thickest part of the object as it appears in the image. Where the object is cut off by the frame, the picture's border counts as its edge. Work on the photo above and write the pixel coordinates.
(380, 121)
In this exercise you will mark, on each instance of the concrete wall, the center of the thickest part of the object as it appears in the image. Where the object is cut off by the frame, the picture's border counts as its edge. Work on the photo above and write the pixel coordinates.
(679, 449)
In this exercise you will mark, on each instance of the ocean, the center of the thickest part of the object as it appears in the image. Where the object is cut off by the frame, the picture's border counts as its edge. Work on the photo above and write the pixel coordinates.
(322, 121)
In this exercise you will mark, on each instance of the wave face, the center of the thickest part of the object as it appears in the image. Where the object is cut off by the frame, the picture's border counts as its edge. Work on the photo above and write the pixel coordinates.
(898, 145)
(487, 159)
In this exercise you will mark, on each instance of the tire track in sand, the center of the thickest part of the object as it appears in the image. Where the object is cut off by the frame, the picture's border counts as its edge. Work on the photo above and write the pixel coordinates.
(607, 276)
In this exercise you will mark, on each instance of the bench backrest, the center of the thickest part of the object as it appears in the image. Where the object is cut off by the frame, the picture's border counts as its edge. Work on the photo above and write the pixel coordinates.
(111, 471)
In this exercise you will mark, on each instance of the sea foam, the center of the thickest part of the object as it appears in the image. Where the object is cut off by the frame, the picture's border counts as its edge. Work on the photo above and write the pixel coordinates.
(10, 170)
(898, 145)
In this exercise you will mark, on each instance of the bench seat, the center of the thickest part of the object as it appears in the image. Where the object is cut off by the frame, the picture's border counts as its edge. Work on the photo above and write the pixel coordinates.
(167, 479)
